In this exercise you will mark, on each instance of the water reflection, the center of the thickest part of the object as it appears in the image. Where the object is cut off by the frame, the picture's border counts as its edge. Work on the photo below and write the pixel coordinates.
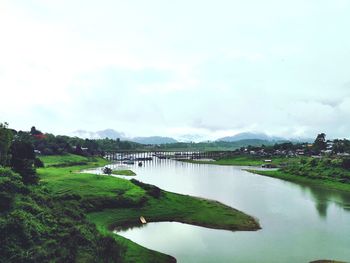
(323, 197)
(300, 222)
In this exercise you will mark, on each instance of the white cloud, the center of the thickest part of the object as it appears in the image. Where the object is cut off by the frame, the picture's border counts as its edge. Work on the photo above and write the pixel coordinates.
(176, 68)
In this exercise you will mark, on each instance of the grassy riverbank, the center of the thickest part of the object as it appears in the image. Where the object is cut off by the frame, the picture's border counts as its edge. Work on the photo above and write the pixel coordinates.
(180, 208)
(110, 202)
(170, 207)
(324, 183)
(241, 160)
(327, 172)
(124, 172)
(331, 173)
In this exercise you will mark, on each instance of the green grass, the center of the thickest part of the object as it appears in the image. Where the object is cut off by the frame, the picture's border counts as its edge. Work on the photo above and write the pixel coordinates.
(67, 180)
(67, 159)
(324, 183)
(124, 172)
(170, 207)
(242, 160)
(179, 208)
(129, 201)
(327, 172)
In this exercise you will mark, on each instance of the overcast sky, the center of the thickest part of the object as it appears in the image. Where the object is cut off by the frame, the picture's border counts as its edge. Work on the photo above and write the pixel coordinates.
(157, 67)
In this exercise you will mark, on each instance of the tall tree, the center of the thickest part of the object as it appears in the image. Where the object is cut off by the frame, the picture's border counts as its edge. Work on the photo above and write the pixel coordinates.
(320, 143)
(5, 142)
(22, 160)
(34, 131)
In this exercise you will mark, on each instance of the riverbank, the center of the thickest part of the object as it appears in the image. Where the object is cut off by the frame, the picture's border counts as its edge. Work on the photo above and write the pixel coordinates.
(324, 172)
(124, 172)
(241, 160)
(111, 202)
(324, 183)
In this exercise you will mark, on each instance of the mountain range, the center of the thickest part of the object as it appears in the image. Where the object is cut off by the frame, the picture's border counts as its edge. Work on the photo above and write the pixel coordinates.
(113, 134)
(250, 136)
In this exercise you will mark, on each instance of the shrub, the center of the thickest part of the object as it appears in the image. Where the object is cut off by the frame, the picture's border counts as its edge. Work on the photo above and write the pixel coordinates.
(38, 163)
(346, 163)
(107, 170)
(152, 190)
(313, 162)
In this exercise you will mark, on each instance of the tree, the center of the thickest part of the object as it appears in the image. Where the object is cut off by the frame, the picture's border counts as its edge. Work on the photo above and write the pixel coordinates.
(107, 170)
(320, 143)
(10, 184)
(346, 163)
(34, 131)
(38, 163)
(5, 142)
(22, 160)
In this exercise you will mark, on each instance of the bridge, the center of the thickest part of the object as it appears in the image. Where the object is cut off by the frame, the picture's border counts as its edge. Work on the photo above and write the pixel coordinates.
(175, 155)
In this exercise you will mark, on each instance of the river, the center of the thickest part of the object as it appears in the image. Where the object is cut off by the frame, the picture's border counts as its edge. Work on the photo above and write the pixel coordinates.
(299, 223)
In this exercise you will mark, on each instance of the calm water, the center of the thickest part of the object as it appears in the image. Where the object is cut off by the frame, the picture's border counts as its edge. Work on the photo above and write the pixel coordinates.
(299, 223)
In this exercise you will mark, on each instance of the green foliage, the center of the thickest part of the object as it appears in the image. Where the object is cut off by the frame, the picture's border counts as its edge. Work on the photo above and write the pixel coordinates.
(38, 163)
(116, 200)
(107, 170)
(5, 142)
(124, 172)
(22, 160)
(320, 143)
(64, 160)
(242, 160)
(313, 162)
(346, 163)
(95, 190)
(10, 184)
(39, 227)
(34, 131)
(333, 169)
(152, 190)
(327, 183)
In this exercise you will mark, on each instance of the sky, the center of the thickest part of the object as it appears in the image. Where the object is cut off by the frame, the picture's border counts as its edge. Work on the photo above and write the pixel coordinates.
(204, 69)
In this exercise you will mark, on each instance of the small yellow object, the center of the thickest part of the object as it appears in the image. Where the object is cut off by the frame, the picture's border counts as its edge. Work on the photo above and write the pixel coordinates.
(143, 220)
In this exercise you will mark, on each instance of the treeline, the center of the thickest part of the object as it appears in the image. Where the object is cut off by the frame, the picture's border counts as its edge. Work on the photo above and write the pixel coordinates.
(36, 226)
(49, 144)
(336, 169)
(213, 146)
(320, 146)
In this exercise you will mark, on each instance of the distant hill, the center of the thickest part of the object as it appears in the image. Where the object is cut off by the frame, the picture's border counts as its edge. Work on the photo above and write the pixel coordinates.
(214, 146)
(250, 136)
(107, 133)
(241, 138)
(113, 134)
(153, 140)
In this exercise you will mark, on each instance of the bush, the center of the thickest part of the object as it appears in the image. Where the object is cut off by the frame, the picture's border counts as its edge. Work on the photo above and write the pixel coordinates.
(107, 170)
(346, 163)
(108, 250)
(22, 160)
(336, 162)
(10, 184)
(313, 162)
(152, 190)
(38, 163)
(40, 228)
